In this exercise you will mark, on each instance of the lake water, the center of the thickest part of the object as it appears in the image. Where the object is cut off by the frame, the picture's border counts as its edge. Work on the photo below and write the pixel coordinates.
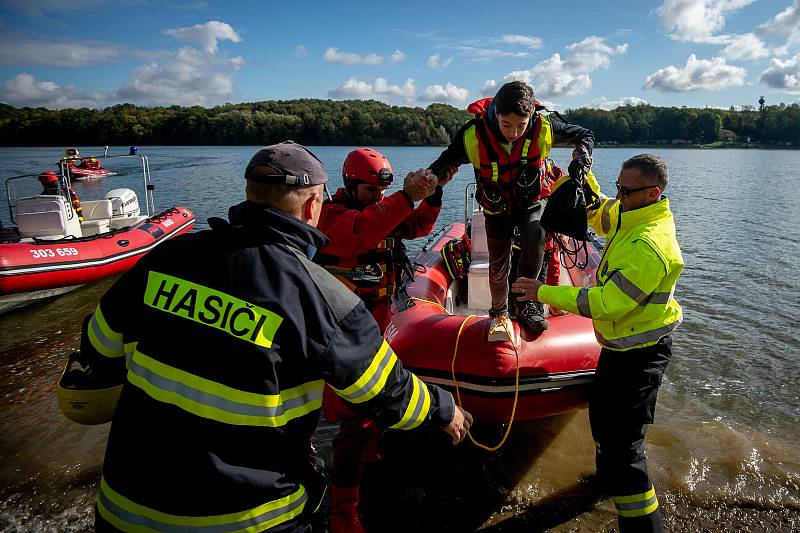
(725, 448)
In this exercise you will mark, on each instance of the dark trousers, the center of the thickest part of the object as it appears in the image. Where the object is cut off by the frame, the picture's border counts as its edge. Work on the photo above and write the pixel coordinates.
(622, 403)
(499, 237)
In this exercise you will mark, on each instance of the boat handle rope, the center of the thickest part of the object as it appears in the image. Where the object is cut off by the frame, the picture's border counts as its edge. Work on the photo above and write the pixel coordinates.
(455, 381)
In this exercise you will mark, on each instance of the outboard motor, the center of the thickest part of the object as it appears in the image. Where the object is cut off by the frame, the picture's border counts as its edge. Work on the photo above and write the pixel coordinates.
(124, 203)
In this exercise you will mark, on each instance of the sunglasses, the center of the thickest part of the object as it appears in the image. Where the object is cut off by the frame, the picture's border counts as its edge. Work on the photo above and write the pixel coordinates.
(625, 191)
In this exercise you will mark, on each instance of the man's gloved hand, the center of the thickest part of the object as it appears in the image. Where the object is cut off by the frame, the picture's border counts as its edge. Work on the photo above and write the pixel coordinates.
(581, 163)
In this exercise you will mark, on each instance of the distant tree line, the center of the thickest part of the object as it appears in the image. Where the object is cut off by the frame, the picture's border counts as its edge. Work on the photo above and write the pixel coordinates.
(358, 122)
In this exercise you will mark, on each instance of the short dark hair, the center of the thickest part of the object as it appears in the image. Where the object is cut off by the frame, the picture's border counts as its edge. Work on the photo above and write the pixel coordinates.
(515, 97)
(652, 167)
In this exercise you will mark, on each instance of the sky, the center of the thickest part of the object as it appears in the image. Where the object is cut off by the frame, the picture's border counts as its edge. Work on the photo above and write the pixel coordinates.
(694, 53)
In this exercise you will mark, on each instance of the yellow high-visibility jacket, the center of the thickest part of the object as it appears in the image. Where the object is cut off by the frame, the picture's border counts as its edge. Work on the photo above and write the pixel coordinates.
(632, 304)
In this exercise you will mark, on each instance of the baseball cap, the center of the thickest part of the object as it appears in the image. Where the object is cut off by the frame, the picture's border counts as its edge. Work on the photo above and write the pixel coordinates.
(296, 165)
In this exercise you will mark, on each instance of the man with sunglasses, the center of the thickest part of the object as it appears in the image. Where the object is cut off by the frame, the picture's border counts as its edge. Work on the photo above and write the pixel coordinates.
(634, 311)
(366, 253)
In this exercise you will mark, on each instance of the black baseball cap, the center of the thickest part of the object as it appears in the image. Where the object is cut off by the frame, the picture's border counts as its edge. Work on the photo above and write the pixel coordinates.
(295, 163)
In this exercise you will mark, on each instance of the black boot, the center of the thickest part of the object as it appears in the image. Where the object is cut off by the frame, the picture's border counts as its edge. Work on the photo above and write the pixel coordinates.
(531, 314)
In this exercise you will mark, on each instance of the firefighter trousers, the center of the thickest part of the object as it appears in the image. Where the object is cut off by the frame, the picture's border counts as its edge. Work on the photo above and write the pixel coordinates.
(622, 403)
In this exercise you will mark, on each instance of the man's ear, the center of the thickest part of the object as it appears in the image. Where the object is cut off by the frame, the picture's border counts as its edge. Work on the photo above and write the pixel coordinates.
(655, 193)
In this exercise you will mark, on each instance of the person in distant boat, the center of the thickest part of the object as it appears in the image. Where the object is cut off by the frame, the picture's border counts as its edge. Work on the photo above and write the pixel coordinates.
(366, 253)
(223, 340)
(507, 144)
(634, 312)
(50, 185)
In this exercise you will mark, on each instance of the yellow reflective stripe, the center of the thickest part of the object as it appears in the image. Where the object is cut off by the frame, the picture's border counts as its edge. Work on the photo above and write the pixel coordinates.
(637, 339)
(525, 148)
(605, 217)
(417, 411)
(495, 172)
(373, 379)
(582, 303)
(471, 146)
(212, 308)
(545, 140)
(128, 515)
(627, 287)
(636, 504)
(102, 338)
(219, 402)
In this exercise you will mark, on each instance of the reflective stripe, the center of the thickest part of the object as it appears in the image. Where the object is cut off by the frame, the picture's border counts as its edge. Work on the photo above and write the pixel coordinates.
(495, 172)
(211, 308)
(127, 515)
(628, 287)
(605, 217)
(373, 379)
(219, 402)
(659, 298)
(582, 302)
(417, 411)
(102, 338)
(637, 504)
(639, 338)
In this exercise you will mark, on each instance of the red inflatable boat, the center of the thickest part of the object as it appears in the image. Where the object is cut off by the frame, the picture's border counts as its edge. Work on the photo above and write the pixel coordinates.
(440, 333)
(60, 243)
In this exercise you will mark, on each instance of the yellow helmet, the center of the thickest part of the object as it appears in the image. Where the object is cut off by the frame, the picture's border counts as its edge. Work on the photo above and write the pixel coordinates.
(82, 401)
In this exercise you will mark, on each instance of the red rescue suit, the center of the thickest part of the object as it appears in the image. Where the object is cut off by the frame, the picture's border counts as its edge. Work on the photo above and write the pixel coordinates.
(365, 236)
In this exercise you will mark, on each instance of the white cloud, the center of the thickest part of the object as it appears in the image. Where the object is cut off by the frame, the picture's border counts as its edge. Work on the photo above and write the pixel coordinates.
(445, 93)
(698, 74)
(206, 35)
(333, 55)
(524, 40)
(745, 47)
(300, 50)
(24, 91)
(489, 88)
(435, 62)
(485, 55)
(570, 76)
(379, 89)
(57, 54)
(608, 105)
(397, 56)
(697, 20)
(193, 77)
(783, 74)
(786, 23)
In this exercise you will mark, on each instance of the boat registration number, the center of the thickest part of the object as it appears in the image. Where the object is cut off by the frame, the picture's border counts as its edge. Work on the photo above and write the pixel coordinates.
(41, 253)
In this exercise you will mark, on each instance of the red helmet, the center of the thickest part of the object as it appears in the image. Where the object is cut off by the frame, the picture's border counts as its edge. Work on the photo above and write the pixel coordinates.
(48, 176)
(367, 166)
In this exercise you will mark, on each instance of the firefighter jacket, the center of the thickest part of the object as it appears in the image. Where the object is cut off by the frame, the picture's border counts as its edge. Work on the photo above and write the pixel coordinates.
(510, 176)
(366, 236)
(632, 304)
(224, 339)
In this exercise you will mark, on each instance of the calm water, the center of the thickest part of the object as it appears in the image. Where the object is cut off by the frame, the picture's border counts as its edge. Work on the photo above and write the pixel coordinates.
(726, 434)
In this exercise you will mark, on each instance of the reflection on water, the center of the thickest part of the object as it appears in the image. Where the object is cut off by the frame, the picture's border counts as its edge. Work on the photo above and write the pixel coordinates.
(723, 451)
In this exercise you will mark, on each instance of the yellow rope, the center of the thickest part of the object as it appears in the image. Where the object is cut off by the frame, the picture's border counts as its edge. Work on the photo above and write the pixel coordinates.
(455, 381)
(516, 388)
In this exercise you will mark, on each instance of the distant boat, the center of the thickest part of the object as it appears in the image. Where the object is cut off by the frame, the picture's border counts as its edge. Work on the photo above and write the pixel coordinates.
(81, 168)
(51, 251)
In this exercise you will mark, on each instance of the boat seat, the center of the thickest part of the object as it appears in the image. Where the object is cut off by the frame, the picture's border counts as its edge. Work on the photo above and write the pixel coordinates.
(96, 217)
(478, 296)
(46, 217)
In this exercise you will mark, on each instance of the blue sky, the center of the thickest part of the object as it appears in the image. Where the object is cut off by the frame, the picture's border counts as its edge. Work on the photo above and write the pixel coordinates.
(697, 53)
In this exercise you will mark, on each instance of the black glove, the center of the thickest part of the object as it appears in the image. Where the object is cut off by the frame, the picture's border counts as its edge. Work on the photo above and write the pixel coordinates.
(576, 170)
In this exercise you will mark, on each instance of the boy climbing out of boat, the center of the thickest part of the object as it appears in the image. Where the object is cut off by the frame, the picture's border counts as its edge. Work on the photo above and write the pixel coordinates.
(507, 144)
(366, 253)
